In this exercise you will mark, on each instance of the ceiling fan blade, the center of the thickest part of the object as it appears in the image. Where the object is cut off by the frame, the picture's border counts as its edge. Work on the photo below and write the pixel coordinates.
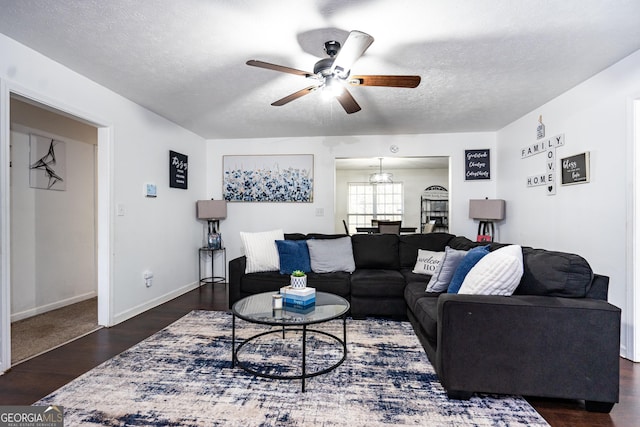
(355, 45)
(348, 102)
(294, 96)
(389, 81)
(281, 68)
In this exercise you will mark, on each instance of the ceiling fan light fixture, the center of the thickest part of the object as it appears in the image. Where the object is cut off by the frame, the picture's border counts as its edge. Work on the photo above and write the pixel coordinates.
(332, 74)
(381, 177)
(332, 87)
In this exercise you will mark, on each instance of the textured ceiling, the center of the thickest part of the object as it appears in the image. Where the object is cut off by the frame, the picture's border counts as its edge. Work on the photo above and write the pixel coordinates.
(484, 63)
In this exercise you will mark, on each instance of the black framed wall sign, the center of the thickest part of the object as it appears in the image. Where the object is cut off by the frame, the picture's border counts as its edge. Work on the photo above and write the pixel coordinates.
(575, 169)
(178, 170)
(477, 164)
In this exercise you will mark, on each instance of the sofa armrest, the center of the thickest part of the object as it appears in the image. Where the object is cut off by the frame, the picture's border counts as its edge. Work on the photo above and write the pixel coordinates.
(599, 288)
(237, 267)
(529, 345)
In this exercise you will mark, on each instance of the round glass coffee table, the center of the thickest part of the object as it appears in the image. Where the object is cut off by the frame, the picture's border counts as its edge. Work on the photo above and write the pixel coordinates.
(258, 309)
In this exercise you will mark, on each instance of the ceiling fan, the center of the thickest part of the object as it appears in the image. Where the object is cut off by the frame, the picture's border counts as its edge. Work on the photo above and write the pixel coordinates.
(333, 73)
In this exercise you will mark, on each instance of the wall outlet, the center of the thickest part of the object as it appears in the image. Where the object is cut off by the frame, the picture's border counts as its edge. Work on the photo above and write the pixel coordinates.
(148, 278)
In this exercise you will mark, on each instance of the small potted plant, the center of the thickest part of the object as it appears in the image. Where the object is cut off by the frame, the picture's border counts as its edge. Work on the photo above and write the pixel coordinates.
(298, 279)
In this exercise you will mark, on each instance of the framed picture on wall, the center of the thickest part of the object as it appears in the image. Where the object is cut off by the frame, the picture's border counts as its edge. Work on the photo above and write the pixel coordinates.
(178, 170)
(575, 169)
(477, 164)
(47, 163)
(268, 178)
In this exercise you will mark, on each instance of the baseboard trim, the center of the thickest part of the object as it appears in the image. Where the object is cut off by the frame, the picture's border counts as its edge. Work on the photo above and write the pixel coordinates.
(139, 309)
(52, 306)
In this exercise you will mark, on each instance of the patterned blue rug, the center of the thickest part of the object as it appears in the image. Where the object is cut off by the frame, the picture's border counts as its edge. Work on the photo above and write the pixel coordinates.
(181, 376)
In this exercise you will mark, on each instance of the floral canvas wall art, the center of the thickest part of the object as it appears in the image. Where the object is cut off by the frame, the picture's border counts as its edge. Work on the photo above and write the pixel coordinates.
(268, 178)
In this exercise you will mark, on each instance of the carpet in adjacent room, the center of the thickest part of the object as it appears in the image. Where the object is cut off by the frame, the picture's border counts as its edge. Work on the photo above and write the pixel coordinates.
(35, 335)
(182, 376)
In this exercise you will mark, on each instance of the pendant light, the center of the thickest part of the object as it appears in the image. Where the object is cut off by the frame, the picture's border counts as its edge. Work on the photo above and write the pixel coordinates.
(381, 177)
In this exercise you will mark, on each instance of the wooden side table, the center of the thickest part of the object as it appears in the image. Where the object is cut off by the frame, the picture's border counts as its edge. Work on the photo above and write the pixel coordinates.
(213, 279)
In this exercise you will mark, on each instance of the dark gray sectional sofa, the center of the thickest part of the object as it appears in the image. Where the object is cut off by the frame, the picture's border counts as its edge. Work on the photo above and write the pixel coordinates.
(556, 336)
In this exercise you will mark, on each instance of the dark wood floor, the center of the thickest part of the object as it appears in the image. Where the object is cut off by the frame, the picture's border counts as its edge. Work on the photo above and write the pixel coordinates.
(34, 379)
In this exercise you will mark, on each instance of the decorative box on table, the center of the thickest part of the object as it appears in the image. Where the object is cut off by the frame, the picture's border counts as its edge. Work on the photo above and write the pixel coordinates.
(302, 298)
(296, 310)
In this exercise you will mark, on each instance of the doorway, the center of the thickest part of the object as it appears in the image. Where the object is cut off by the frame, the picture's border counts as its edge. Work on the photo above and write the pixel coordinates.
(414, 174)
(633, 239)
(53, 239)
(102, 207)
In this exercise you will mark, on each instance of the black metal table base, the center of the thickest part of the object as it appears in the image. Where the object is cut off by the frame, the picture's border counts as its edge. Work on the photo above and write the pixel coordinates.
(212, 279)
(235, 361)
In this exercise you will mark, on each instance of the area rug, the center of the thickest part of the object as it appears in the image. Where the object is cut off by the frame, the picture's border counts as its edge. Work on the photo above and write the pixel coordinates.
(182, 376)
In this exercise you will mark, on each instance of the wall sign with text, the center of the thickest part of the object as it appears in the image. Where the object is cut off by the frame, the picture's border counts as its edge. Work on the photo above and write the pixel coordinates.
(477, 164)
(178, 170)
(575, 169)
(548, 147)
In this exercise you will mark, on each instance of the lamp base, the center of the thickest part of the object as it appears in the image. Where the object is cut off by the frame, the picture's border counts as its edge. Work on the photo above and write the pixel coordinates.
(214, 239)
(486, 231)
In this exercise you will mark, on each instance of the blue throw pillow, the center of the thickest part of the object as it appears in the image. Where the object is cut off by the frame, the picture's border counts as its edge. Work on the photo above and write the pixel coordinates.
(470, 259)
(294, 255)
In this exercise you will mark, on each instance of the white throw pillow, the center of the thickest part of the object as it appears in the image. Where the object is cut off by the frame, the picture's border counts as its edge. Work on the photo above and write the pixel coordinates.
(498, 273)
(444, 272)
(427, 262)
(261, 250)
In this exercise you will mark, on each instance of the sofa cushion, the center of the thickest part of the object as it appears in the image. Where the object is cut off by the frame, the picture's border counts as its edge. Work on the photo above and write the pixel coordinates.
(411, 277)
(294, 255)
(336, 283)
(558, 274)
(441, 278)
(462, 243)
(255, 283)
(329, 255)
(377, 283)
(426, 311)
(322, 236)
(468, 262)
(410, 243)
(295, 236)
(498, 273)
(427, 262)
(414, 291)
(376, 251)
(261, 250)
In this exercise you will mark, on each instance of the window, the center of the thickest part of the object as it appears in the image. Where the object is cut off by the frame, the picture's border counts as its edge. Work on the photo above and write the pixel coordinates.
(373, 201)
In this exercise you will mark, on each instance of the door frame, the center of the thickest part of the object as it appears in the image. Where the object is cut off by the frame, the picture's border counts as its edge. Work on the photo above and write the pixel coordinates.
(104, 196)
(631, 331)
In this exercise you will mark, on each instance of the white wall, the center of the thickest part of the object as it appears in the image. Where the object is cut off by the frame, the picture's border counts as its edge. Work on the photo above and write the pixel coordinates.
(162, 234)
(52, 232)
(414, 182)
(301, 217)
(587, 219)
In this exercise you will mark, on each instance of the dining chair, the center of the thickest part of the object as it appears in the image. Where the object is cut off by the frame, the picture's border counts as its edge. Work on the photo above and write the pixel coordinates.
(428, 228)
(389, 227)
